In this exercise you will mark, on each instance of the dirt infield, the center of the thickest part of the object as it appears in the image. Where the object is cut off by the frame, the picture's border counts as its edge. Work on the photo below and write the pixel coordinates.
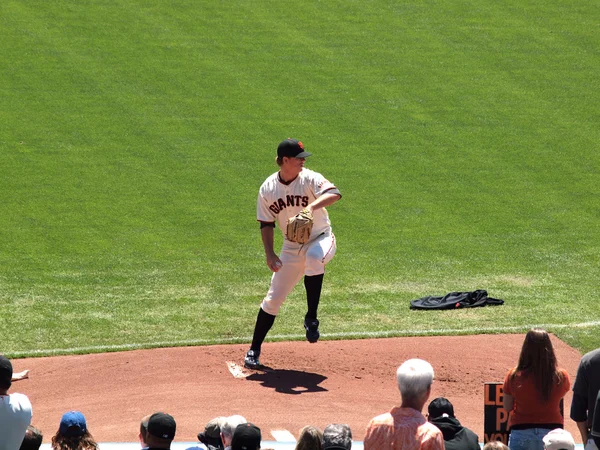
(316, 384)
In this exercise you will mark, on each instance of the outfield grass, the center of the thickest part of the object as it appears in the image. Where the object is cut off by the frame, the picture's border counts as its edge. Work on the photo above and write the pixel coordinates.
(463, 135)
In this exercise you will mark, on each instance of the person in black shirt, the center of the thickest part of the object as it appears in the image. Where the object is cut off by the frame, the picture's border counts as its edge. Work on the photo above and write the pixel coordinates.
(456, 437)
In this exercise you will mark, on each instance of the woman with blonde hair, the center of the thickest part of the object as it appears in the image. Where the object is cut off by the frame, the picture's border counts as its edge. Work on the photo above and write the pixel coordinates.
(73, 434)
(310, 438)
(495, 445)
(533, 392)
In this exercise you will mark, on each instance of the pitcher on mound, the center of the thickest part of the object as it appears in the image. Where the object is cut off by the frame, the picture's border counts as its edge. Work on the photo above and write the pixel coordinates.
(283, 195)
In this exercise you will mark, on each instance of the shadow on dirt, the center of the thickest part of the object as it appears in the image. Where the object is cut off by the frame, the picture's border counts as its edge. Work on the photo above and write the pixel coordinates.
(293, 382)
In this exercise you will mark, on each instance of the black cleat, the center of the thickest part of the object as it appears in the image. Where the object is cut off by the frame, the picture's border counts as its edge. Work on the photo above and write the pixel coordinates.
(312, 330)
(251, 360)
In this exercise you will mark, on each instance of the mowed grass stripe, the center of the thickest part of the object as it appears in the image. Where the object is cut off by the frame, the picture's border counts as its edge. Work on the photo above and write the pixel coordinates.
(136, 134)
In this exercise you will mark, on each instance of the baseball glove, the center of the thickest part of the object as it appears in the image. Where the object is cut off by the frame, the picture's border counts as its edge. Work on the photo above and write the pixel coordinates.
(299, 227)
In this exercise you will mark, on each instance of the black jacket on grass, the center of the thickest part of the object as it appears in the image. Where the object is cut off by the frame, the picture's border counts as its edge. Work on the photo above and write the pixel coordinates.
(456, 300)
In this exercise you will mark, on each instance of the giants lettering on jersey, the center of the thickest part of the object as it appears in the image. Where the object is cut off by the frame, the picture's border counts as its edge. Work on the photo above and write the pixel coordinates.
(291, 200)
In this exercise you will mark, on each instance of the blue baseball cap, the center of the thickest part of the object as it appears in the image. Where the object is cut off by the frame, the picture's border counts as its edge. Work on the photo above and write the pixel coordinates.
(72, 424)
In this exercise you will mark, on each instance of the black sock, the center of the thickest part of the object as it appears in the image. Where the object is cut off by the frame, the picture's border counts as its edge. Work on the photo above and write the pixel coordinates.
(264, 322)
(313, 285)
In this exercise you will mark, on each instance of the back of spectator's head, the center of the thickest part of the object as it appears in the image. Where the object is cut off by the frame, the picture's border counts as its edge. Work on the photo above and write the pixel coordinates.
(310, 438)
(537, 352)
(6, 372)
(439, 407)
(246, 436)
(414, 378)
(144, 429)
(212, 432)
(559, 439)
(161, 427)
(228, 427)
(337, 436)
(72, 424)
(32, 440)
(495, 445)
(73, 433)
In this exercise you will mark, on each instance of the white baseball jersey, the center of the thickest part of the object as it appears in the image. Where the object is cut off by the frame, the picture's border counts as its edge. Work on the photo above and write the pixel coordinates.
(277, 202)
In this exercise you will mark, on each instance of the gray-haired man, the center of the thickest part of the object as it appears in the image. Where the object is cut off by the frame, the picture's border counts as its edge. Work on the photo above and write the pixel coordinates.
(337, 436)
(228, 427)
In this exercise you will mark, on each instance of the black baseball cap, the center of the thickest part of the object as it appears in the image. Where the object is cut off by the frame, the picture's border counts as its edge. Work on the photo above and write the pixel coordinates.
(162, 426)
(292, 148)
(440, 406)
(246, 437)
(6, 372)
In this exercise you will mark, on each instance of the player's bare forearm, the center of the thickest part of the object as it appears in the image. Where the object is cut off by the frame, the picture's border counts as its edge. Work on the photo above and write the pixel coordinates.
(324, 201)
(268, 238)
(18, 376)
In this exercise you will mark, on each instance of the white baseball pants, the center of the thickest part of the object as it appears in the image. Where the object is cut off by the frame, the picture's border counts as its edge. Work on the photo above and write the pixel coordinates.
(298, 261)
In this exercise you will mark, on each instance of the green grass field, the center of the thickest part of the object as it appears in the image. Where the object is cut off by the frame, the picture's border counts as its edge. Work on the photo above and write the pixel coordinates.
(135, 134)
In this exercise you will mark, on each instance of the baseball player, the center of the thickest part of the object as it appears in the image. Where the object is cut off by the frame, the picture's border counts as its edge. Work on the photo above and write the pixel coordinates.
(283, 195)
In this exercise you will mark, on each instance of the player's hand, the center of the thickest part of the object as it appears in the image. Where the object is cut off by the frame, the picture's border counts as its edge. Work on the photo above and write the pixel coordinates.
(274, 263)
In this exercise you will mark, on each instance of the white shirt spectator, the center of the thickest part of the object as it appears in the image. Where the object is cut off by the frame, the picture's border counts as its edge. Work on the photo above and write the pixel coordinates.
(15, 417)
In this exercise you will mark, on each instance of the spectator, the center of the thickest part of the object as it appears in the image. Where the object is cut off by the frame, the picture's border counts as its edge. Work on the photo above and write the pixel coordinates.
(405, 426)
(211, 436)
(594, 444)
(228, 427)
(559, 439)
(456, 437)
(495, 445)
(533, 391)
(15, 410)
(310, 438)
(73, 433)
(161, 431)
(585, 390)
(337, 436)
(144, 431)
(33, 439)
(246, 436)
